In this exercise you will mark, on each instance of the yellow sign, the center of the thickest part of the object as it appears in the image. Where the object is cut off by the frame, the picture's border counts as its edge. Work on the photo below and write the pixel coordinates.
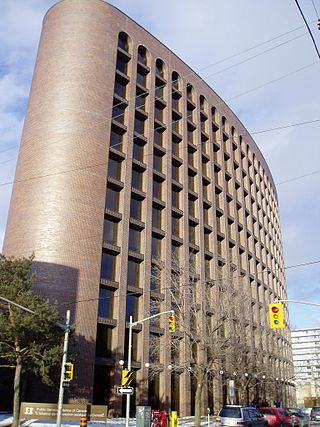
(276, 315)
(126, 378)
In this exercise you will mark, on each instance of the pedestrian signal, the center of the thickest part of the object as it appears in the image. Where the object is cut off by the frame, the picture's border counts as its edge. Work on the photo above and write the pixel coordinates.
(276, 315)
(68, 371)
(126, 378)
(172, 323)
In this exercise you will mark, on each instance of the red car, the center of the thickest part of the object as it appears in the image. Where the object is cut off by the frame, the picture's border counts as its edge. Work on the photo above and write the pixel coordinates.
(276, 417)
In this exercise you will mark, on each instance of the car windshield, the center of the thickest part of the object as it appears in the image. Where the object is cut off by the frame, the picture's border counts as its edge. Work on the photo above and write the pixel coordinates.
(316, 409)
(267, 411)
(230, 412)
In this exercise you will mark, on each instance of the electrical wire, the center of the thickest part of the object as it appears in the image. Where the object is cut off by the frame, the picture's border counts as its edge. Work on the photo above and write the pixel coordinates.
(305, 264)
(298, 177)
(309, 31)
(315, 9)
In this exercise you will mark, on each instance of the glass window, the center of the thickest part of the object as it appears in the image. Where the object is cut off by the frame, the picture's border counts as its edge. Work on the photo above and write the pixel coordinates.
(139, 125)
(207, 241)
(159, 67)
(134, 240)
(104, 341)
(122, 64)
(208, 268)
(157, 189)
(138, 151)
(157, 162)
(118, 113)
(176, 148)
(112, 199)
(154, 344)
(110, 232)
(116, 139)
(133, 273)
(141, 100)
(155, 280)
(192, 234)
(159, 91)
(123, 41)
(120, 89)
(158, 136)
(132, 307)
(158, 114)
(176, 226)
(175, 80)
(141, 78)
(156, 247)
(156, 218)
(106, 300)
(108, 266)
(142, 55)
(176, 199)
(176, 172)
(137, 179)
(114, 169)
(136, 209)
(192, 208)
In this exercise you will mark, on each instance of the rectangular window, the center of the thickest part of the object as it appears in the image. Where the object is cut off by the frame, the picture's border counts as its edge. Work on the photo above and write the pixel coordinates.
(106, 300)
(176, 226)
(158, 114)
(110, 232)
(176, 148)
(207, 245)
(134, 240)
(108, 266)
(158, 137)
(155, 280)
(141, 78)
(192, 208)
(116, 140)
(157, 189)
(192, 234)
(134, 274)
(104, 341)
(175, 199)
(159, 92)
(136, 209)
(156, 218)
(112, 199)
(139, 125)
(120, 89)
(156, 247)
(137, 179)
(122, 65)
(114, 169)
(138, 151)
(118, 113)
(157, 162)
(132, 307)
(175, 172)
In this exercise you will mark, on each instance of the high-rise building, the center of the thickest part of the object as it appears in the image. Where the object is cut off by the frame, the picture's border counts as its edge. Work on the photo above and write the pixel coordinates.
(306, 363)
(128, 157)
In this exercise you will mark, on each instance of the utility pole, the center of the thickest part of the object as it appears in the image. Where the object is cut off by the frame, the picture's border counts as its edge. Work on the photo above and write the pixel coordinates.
(131, 324)
(64, 361)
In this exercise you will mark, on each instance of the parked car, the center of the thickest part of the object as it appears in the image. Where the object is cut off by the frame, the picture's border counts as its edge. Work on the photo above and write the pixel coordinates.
(276, 417)
(236, 415)
(298, 417)
(315, 413)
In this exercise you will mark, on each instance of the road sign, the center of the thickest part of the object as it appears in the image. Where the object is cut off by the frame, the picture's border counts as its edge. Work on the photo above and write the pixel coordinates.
(126, 378)
(70, 412)
(125, 390)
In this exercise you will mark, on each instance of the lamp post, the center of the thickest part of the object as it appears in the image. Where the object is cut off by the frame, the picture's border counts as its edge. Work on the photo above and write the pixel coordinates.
(131, 325)
(247, 388)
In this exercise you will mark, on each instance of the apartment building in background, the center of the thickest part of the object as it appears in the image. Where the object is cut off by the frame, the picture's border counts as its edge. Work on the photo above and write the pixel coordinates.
(306, 363)
(128, 157)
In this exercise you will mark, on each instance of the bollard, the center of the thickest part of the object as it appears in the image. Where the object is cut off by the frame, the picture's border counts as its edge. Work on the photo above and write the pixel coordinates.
(174, 419)
(83, 422)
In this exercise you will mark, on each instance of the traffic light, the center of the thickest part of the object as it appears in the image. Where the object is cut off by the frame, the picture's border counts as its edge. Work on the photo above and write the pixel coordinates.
(126, 378)
(172, 323)
(276, 315)
(318, 24)
(68, 372)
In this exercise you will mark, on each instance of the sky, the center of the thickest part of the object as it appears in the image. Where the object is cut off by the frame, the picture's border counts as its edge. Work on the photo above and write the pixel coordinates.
(259, 57)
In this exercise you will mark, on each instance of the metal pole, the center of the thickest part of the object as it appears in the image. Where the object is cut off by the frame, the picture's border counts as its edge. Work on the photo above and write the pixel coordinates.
(64, 360)
(129, 369)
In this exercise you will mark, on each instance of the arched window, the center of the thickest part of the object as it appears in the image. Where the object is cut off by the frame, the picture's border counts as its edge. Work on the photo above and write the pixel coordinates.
(176, 81)
(190, 92)
(124, 41)
(225, 126)
(142, 55)
(160, 68)
(203, 103)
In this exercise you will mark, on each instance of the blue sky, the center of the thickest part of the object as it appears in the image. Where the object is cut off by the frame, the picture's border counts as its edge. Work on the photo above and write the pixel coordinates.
(257, 56)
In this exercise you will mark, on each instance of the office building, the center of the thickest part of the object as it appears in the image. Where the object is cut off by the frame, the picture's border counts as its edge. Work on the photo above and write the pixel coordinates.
(128, 157)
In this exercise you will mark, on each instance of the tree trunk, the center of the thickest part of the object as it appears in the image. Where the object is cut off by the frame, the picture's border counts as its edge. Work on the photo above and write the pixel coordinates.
(197, 404)
(16, 392)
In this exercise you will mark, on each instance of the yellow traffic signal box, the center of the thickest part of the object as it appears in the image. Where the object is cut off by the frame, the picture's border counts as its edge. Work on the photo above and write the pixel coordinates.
(276, 315)
(68, 372)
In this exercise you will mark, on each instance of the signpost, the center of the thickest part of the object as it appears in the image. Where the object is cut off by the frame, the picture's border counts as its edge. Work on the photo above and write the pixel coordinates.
(125, 390)
(70, 412)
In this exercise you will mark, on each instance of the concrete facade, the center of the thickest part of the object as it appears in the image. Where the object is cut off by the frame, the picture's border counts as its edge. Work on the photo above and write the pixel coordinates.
(126, 157)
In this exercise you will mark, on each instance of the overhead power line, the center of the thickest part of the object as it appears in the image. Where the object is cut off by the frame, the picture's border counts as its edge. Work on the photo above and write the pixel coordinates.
(309, 31)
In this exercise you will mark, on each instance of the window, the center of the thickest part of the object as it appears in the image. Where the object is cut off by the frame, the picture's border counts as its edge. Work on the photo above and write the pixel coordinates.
(159, 92)
(112, 199)
(159, 68)
(137, 179)
(157, 162)
(192, 208)
(176, 172)
(108, 266)
(122, 64)
(157, 189)
(120, 89)
(136, 209)
(155, 280)
(176, 226)
(158, 114)
(116, 139)
(192, 234)
(104, 341)
(141, 77)
(139, 125)
(123, 41)
(133, 273)
(106, 300)
(175, 80)
(110, 232)
(190, 92)
(141, 100)
(142, 55)
(134, 240)
(156, 247)
(156, 217)
(158, 136)
(138, 151)
(114, 169)
(175, 198)
(132, 307)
